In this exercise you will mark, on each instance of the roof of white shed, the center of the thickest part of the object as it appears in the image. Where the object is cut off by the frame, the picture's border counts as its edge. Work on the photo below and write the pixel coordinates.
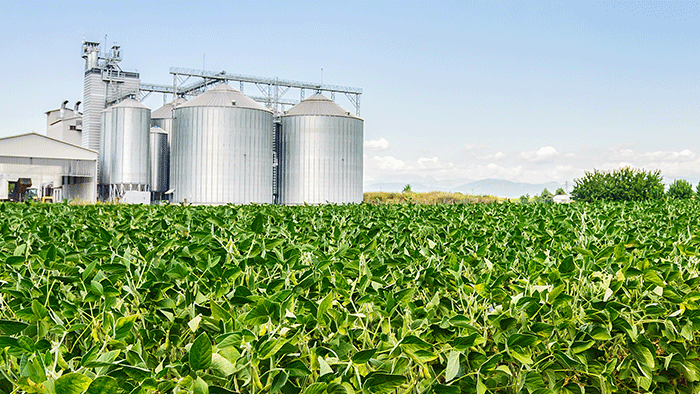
(40, 146)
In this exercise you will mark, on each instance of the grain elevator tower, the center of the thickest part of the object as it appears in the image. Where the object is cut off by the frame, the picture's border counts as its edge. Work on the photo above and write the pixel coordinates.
(105, 84)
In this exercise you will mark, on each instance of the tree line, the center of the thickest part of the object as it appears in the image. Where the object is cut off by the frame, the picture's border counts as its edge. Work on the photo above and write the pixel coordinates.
(623, 184)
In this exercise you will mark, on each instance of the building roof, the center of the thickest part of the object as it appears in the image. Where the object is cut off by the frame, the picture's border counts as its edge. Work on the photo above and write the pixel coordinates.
(223, 95)
(40, 146)
(166, 111)
(129, 103)
(318, 104)
(158, 130)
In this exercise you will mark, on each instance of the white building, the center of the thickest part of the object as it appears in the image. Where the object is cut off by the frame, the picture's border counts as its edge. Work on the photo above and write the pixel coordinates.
(68, 170)
(65, 124)
(562, 198)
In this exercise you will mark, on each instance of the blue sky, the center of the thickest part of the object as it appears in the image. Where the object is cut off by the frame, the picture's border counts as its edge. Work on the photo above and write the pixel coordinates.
(530, 91)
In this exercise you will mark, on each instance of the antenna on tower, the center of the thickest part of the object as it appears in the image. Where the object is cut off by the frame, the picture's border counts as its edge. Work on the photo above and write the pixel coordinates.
(318, 91)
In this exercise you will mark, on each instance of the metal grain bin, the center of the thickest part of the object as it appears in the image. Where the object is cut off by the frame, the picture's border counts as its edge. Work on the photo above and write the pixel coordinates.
(222, 149)
(160, 160)
(105, 154)
(131, 161)
(163, 116)
(320, 154)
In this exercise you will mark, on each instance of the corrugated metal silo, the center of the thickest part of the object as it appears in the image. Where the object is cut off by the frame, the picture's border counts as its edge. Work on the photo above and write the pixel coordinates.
(222, 149)
(130, 167)
(320, 154)
(163, 116)
(160, 160)
(105, 153)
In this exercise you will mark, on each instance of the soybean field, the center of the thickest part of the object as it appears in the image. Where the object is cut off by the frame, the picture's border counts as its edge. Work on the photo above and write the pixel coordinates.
(477, 298)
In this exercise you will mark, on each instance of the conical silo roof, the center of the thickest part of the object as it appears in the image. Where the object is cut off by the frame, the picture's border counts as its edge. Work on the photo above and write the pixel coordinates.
(166, 111)
(223, 95)
(319, 105)
(129, 103)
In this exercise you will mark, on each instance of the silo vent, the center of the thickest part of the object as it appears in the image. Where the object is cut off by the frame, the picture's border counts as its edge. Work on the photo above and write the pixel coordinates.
(233, 102)
(62, 111)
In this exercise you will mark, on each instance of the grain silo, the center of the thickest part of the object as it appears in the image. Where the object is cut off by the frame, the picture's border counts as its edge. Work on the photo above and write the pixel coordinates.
(163, 116)
(160, 162)
(320, 154)
(222, 149)
(130, 165)
(105, 152)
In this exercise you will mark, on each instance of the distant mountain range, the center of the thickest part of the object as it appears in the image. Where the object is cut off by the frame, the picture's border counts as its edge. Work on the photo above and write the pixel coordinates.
(493, 187)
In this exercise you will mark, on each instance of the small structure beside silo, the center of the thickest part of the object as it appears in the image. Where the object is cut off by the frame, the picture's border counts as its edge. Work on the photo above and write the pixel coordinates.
(48, 167)
(160, 163)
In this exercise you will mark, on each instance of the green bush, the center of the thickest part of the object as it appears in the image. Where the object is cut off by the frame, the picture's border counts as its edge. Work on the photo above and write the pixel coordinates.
(680, 189)
(623, 184)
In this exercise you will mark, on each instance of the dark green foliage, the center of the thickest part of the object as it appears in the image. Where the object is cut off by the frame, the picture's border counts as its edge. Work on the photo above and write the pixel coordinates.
(624, 184)
(560, 192)
(680, 189)
(499, 298)
(546, 196)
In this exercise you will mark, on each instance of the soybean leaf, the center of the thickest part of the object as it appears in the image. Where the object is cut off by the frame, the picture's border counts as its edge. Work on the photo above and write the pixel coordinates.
(10, 327)
(278, 381)
(316, 388)
(103, 385)
(378, 382)
(213, 389)
(323, 365)
(123, 326)
(200, 353)
(72, 383)
(200, 386)
(363, 356)
(452, 370)
(222, 365)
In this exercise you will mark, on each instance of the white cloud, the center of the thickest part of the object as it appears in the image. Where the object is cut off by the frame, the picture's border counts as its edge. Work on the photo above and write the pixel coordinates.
(544, 153)
(536, 166)
(493, 156)
(425, 162)
(625, 153)
(388, 163)
(437, 167)
(377, 145)
(469, 146)
(685, 154)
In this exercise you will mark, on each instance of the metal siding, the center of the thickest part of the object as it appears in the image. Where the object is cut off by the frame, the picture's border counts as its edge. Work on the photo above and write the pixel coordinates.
(160, 161)
(94, 95)
(131, 137)
(222, 155)
(105, 156)
(320, 160)
(43, 166)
